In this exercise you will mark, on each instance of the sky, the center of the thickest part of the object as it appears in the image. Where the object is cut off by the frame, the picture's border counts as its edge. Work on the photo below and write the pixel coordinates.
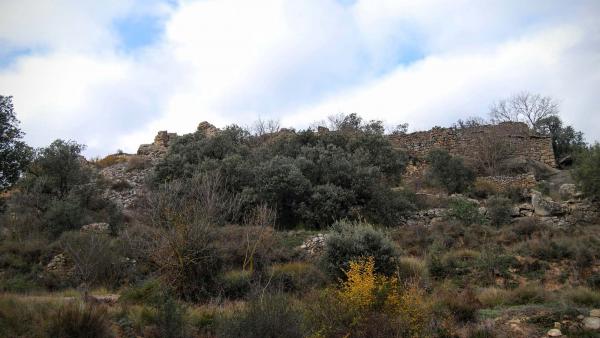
(112, 73)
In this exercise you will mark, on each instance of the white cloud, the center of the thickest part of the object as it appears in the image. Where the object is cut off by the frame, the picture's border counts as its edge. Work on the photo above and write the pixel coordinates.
(230, 61)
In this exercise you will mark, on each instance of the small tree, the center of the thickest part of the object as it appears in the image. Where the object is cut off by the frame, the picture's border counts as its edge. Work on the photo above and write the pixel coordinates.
(565, 139)
(448, 171)
(14, 153)
(587, 171)
(524, 107)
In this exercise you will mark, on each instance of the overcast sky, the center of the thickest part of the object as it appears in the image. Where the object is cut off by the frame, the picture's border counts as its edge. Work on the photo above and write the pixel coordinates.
(112, 73)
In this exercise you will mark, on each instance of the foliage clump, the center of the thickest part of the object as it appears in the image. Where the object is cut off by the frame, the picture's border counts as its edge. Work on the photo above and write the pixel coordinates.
(310, 178)
(448, 172)
(587, 171)
(59, 192)
(351, 241)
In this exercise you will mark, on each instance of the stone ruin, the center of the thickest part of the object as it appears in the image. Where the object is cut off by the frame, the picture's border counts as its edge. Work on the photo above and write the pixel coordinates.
(464, 142)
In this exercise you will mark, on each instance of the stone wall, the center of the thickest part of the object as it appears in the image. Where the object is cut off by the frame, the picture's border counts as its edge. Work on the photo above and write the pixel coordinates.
(505, 183)
(465, 142)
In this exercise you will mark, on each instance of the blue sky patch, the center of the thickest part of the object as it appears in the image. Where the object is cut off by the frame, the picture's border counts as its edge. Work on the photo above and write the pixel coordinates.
(8, 55)
(138, 31)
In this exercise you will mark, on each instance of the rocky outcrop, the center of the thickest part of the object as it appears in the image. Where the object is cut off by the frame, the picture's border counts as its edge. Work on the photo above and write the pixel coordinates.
(545, 206)
(314, 245)
(98, 228)
(159, 147)
(207, 129)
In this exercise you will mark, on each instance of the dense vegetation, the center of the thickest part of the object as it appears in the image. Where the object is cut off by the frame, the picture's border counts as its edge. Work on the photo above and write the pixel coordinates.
(222, 242)
(309, 178)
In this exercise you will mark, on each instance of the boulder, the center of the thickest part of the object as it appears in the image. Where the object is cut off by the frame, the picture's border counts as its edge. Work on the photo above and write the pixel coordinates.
(568, 191)
(544, 206)
(100, 228)
(595, 313)
(554, 333)
(591, 323)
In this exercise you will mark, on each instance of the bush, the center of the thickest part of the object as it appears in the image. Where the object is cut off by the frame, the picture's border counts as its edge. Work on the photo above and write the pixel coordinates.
(412, 269)
(351, 241)
(464, 211)
(137, 162)
(148, 292)
(296, 277)
(582, 296)
(528, 294)
(462, 305)
(110, 160)
(449, 172)
(499, 210)
(94, 259)
(484, 189)
(236, 284)
(526, 227)
(59, 193)
(269, 317)
(78, 320)
(587, 171)
(309, 178)
(492, 297)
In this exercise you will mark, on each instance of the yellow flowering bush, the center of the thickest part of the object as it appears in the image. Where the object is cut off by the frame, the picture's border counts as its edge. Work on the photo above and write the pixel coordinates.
(364, 292)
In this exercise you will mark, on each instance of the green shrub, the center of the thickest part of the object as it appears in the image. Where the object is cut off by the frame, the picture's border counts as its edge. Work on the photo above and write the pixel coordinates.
(311, 179)
(170, 317)
(78, 320)
(528, 294)
(147, 292)
(296, 277)
(269, 317)
(59, 193)
(236, 284)
(351, 241)
(587, 171)
(499, 210)
(464, 211)
(582, 296)
(593, 281)
(448, 172)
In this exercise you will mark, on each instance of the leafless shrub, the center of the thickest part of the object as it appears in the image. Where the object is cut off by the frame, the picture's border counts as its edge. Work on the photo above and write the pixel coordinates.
(490, 149)
(94, 260)
(264, 218)
(263, 127)
(524, 107)
(199, 200)
(185, 213)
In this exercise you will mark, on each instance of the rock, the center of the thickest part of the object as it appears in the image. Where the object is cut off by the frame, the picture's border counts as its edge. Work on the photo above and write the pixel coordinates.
(580, 317)
(554, 333)
(545, 206)
(591, 323)
(595, 313)
(207, 129)
(314, 245)
(100, 228)
(568, 191)
(515, 212)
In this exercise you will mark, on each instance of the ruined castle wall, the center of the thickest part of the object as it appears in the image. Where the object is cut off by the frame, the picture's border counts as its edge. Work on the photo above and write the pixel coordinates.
(466, 142)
